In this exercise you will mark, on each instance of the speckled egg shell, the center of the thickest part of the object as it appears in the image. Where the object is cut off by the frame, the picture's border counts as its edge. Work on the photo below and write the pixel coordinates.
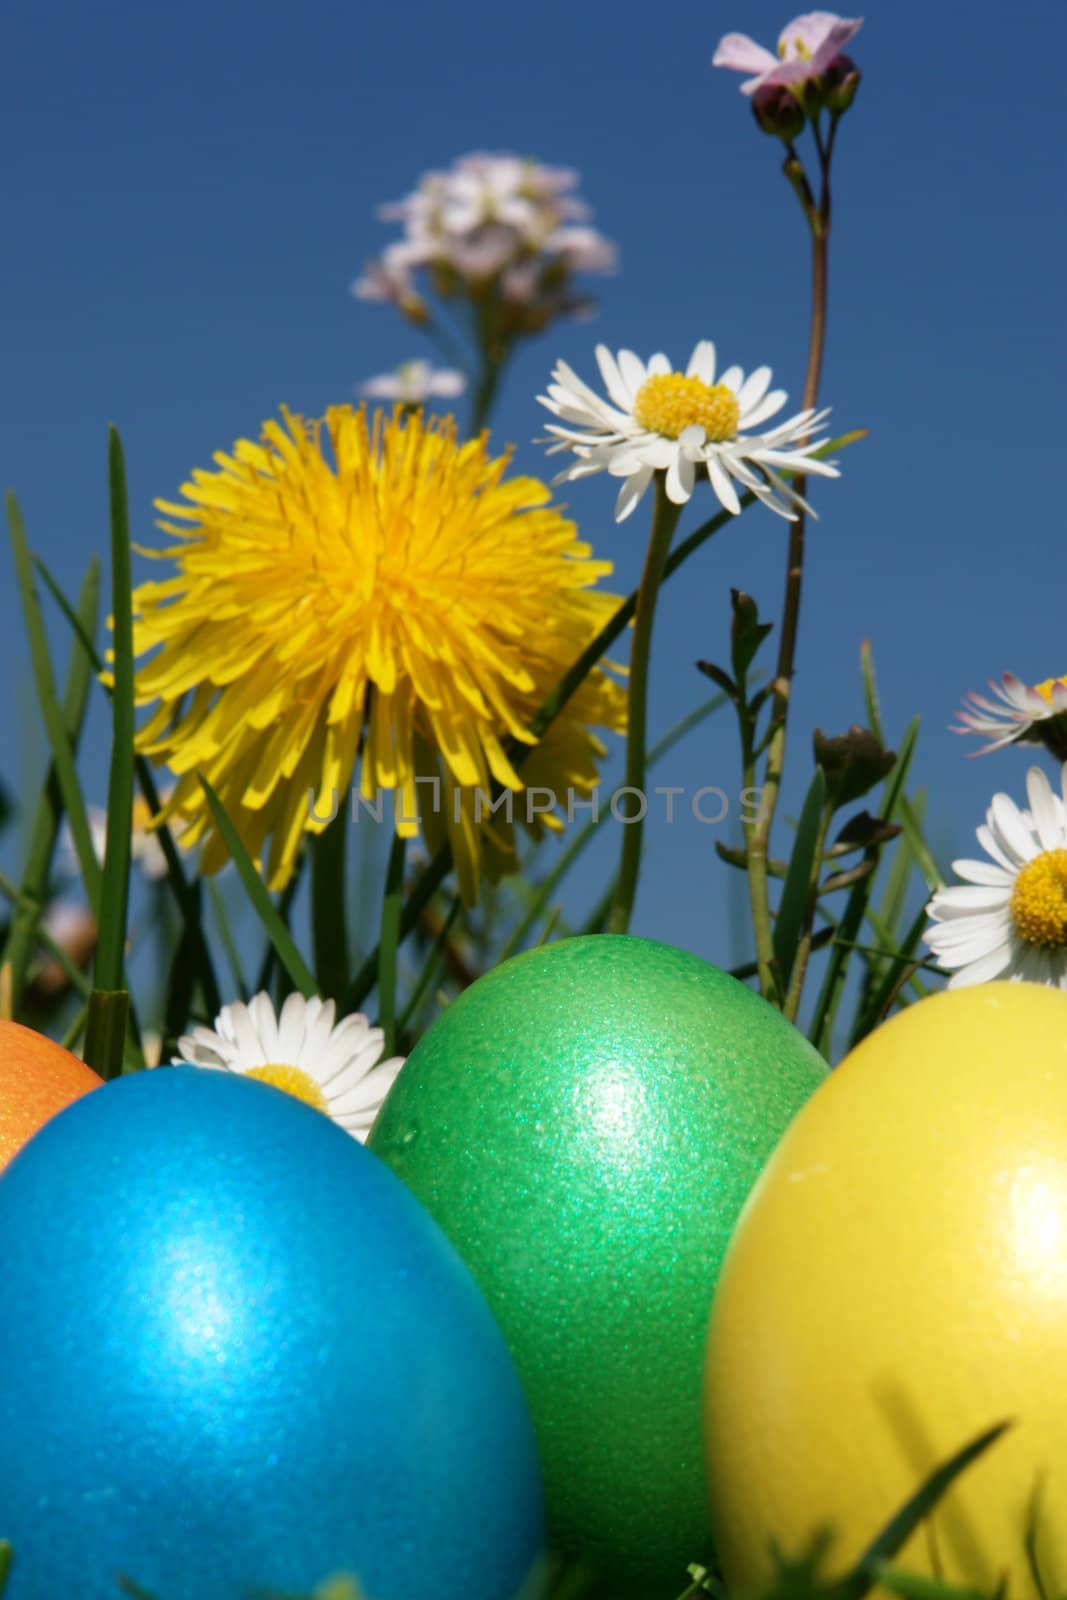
(585, 1123)
(236, 1356)
(37, 1079)
(896, 1286)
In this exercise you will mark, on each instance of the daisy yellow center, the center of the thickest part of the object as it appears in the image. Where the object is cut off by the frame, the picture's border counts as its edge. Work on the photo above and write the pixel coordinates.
(1039, 901)
(301, 1085)
(669, 402)
(1045, 689)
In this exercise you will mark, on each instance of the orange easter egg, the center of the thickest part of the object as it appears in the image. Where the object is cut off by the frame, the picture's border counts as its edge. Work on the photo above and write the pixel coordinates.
(37, 1079)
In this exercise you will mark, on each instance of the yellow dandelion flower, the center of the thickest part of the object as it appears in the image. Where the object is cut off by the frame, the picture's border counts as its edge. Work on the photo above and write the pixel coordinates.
(368, 596)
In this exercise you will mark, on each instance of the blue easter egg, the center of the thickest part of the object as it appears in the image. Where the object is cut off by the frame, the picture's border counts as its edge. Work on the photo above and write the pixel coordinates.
(237, 1356)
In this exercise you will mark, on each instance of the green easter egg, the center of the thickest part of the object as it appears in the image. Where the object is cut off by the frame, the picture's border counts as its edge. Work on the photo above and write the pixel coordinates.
(585, 1123)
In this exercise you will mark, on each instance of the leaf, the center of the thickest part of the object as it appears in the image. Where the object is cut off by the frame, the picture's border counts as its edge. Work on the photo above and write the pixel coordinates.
(899, 970)
(870, 691)
(829, 998)
(913, 1587)
(863, 832)
(793, 908)
(7, 1561)
(747, 632)
(48, 813)
(51, 711)
(280, 938)
(115, 880)
(899, 1529)
(853, 763)
(851, 875)
(723, 679)
(188, 903)
(737, 856)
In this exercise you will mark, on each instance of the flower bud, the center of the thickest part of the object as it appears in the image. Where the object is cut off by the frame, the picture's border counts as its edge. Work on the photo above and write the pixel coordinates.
(778, 111)
(840, 83)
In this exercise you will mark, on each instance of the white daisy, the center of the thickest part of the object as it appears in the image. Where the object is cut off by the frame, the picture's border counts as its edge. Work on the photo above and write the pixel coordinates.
(659, 420)
(334, 1069)
(414, 382)
(1009, 920)
(1026, 714)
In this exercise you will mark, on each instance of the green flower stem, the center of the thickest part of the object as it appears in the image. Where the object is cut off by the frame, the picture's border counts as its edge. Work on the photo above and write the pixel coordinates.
(760, 834)
(664, 521)
(803, 955)
(329, 928)
(389, 941)
(105, 1031)
(485, 392)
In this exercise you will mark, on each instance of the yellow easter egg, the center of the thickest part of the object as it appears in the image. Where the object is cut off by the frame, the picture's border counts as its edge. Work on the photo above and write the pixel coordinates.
(897, 1284)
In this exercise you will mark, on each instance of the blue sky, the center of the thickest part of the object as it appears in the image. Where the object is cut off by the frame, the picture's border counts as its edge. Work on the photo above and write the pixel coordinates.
(189, 191)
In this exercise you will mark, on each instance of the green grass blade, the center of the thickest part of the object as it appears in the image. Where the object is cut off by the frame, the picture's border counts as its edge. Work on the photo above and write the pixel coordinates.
(899, 1529)
(52, 711)
(913, 1587)
(7, 1561)
(115, 882)
(22, 935)
(329, 926)
(796, 892)
(281, 940)
(198, 951)
(821, 1032)
(284, 907)
(911, 821)
(870, 692)
(897, 973)
(389, 940)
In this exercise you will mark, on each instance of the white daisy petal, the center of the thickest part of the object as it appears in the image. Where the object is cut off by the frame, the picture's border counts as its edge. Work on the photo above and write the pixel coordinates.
(632, 370)
(1042, 805)
(1010, 919)
(720, 482)
(619, 390)
(1011, 831)
(1018, 712)
(984, 969)
(702, 362)
(765, 408)
(681, 475)
(752, 391)
(982, 872)
(335, 1068)
(604, 435)
(631, 493)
